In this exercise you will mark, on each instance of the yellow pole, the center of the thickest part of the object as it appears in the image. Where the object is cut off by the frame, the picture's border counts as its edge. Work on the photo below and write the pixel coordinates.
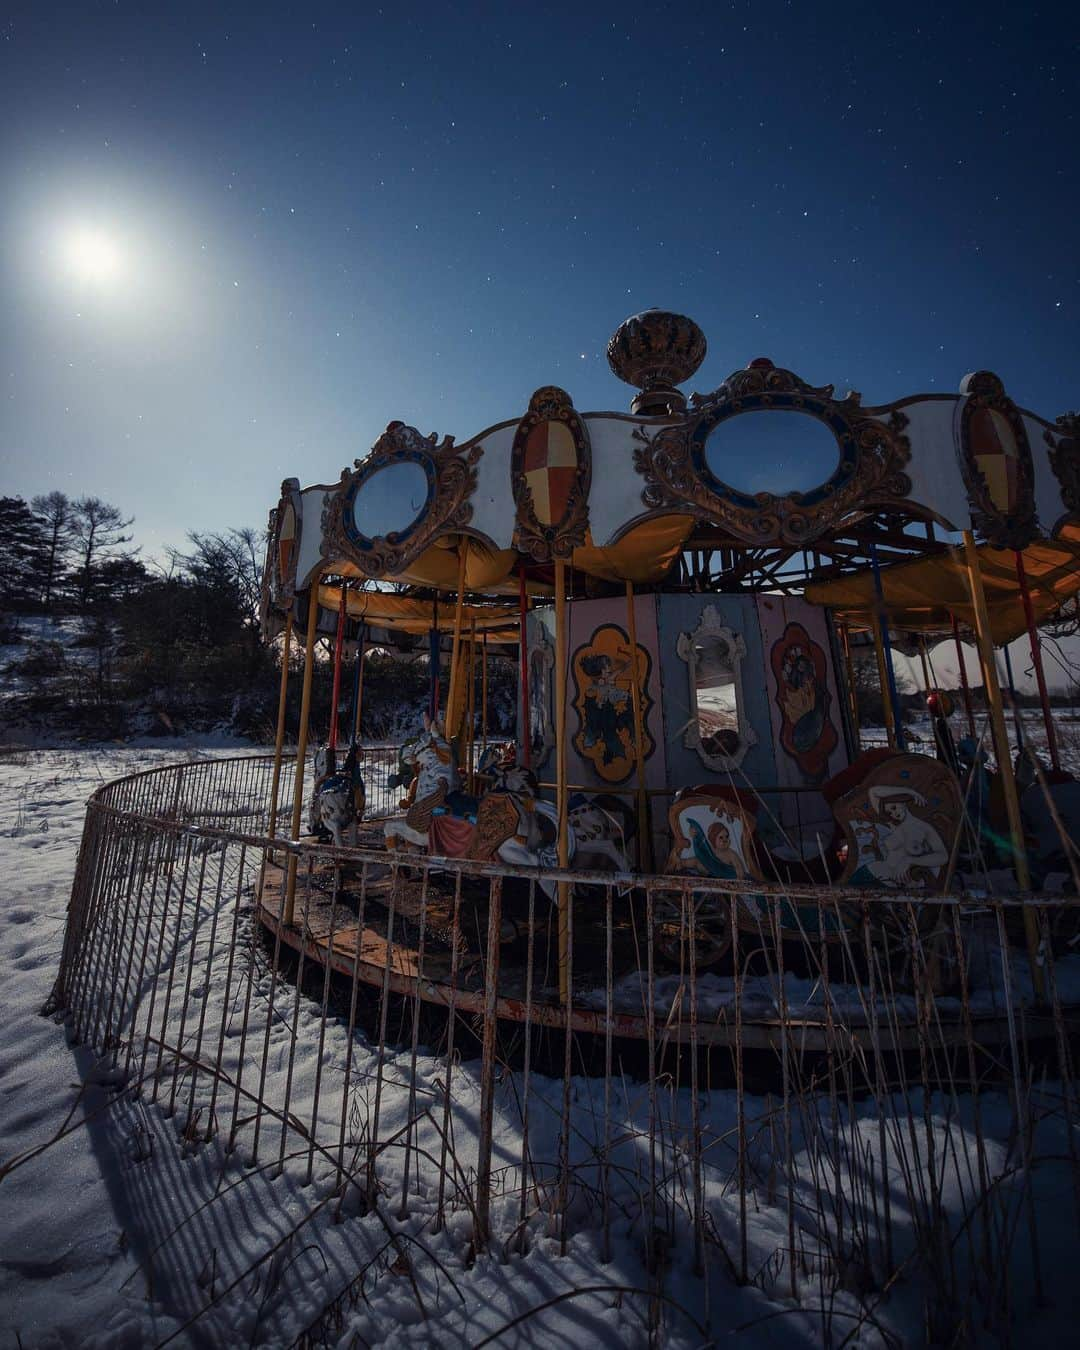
(453, 692)
(1002, 752)
(644, 840)
(301, 743)
(279, 740)
(883, 682)
(561, 796)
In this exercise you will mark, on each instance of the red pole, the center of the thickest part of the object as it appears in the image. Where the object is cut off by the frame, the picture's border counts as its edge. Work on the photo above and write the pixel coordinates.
(332, 742)
(963, 678)
(1036, 660)
(523, 642)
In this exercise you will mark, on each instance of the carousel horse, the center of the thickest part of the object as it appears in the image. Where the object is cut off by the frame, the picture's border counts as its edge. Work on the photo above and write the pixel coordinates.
(435, 778)
(510, 821)
(337, 799)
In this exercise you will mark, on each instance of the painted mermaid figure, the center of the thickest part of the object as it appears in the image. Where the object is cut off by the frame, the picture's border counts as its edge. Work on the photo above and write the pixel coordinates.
(895, 845)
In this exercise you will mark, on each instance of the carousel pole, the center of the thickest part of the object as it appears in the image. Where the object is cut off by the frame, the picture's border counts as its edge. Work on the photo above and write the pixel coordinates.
(853, 699)
(963, 678)
(1017, 723)
(523, 643)
(1037, 661)
(358, 684)
(453, 692)
(279, 739)
(1001, 749)
(483, 691)
(644, 832)
(886, 649)
(339, 640)
(561, 795)
(301, 743)
(434, 645)
(928, 683)
(883, 685)
(470, 701)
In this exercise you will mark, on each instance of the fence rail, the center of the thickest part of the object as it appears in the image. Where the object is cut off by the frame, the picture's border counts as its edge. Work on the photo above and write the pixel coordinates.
(833, 1112)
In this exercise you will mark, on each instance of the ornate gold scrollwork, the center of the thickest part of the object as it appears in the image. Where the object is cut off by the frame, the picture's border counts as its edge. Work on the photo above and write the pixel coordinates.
(451, 479)
(550, 473)
(872, 456)
(1064, 445)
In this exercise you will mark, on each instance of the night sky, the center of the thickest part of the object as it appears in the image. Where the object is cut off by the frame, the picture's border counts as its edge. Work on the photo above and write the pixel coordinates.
(237, 244)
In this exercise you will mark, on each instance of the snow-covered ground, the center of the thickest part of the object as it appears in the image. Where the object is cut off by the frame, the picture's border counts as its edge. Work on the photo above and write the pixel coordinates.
(116, 1235)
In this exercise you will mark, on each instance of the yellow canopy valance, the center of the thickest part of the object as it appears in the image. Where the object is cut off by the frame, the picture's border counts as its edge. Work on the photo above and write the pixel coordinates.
(925, 595)
(644, 555)
(402, 614)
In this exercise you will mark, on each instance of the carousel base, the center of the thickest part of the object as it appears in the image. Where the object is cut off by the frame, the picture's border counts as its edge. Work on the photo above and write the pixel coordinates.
(395, 934)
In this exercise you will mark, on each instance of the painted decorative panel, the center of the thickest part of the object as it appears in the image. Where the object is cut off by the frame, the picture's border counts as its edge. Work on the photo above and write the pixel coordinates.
(600, 714)
(804, 706)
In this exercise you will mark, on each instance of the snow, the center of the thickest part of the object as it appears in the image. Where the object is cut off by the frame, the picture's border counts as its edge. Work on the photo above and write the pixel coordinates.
(119, 1235)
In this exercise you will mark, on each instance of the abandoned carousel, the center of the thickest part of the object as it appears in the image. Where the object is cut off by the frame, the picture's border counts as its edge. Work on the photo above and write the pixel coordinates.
(687, 855)
(683, 590)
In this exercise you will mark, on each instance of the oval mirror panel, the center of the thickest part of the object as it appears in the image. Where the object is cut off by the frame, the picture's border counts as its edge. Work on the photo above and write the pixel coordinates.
(778, 450)
(391, 499)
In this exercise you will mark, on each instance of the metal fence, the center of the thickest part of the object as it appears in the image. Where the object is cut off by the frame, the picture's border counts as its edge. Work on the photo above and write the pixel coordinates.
(881, 1100)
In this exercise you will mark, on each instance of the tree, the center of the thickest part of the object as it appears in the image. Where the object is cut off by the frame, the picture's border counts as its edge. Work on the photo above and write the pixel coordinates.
(23, 554)
(98, 535)
(53, 512)
(868, 693)
(228, 565)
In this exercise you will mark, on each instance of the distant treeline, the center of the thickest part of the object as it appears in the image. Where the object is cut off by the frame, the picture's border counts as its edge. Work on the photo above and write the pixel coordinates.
(105, 641)
(101, 644)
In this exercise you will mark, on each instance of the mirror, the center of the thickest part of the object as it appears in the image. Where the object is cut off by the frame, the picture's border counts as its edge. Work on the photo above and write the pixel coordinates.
(717, 729)
(390, 500)
(777, 450)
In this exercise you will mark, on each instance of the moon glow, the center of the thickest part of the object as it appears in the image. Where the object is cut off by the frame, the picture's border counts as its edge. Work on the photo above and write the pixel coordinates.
(91, 255)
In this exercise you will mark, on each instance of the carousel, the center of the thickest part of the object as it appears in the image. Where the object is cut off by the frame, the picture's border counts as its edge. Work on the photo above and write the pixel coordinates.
(683, 591)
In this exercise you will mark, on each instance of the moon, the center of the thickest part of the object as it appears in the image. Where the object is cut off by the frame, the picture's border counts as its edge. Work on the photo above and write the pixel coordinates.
(91, 255)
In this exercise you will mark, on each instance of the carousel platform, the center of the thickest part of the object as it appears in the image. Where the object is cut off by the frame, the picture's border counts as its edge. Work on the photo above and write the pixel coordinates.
(394, 929)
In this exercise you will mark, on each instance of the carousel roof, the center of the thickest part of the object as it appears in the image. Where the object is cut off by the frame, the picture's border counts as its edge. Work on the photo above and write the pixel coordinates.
(620, 496)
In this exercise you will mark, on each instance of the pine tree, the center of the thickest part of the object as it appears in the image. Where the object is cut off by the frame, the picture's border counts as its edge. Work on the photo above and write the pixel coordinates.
(53, 512)
(24, 551)
(98, 535)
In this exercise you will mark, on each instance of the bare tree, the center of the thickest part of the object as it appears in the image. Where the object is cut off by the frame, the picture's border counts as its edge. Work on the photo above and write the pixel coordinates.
(54, 515)
(230, 561)
(98, 532)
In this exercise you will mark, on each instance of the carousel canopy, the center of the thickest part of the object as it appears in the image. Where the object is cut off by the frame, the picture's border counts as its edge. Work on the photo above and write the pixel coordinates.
(923, 596)
(764, 461)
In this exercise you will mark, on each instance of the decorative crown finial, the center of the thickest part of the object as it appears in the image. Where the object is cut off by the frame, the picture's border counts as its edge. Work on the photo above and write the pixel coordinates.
(655, 351)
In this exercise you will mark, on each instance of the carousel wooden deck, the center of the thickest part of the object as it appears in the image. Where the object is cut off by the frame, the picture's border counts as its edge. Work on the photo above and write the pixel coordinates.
(387, 934)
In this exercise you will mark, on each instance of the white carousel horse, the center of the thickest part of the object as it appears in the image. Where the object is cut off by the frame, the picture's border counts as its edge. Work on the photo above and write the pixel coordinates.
(337, 799)
(436, 777)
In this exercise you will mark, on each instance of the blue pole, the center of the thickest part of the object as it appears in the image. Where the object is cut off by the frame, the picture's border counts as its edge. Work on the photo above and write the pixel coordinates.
(901, 739)
(1012, 699)
(433, 659)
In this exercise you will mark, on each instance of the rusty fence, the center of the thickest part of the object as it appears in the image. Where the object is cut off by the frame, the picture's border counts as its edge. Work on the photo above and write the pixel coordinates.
(884, 1102)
